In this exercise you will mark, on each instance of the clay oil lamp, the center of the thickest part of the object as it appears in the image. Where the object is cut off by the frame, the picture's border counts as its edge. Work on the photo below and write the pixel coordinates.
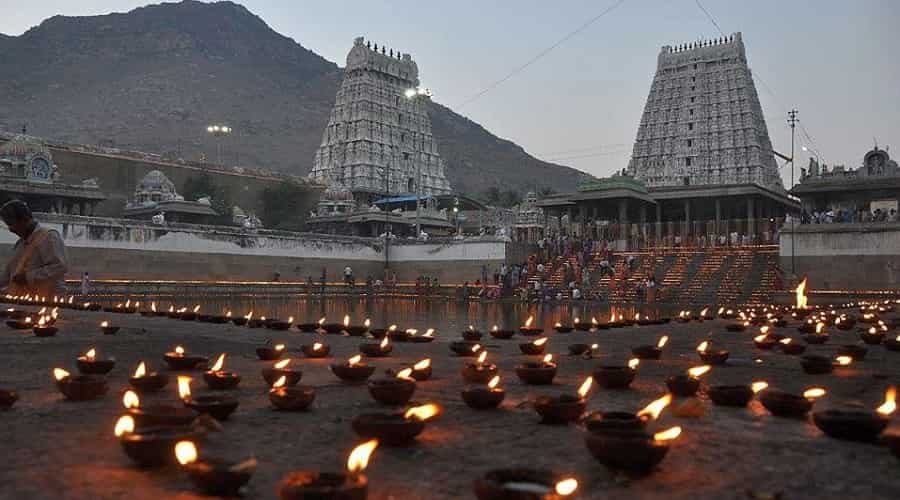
(561, 328)
(218, 379)
(270, 352)
(220, 407)
(534, 348)
(257, 322)
(465, 349)
(734, 395)
(618, 421)
(43, 328)
(527, 329)
(89, 364)
(396, 335)
(242, 320)
(616, 377)
(857, 352)
(291, 398)
(636, 452)
(11, 313)
(79, 387)
(471, 334)
(818, 335)
(278, 324)
(308, 327)
(214, 476)
(892, 344)
(845, 323)
(788, 346)
(395, 429)
(316, 350)
(334, 328)
(281, 369)
(873, 336)
(149, 312)
(356, 330)
(315, 485)
(479, 372)
(7, 399)
(180, 360)
(686, 385)
(711, 357)
(565, 408)
(737, 327)
(189, 315)
(151, 447)
(580, 325)
(808, 326)
(540, 373)
(684, 316)
(173, 313)
(580, 349)
(380, 333)
(24, 323)
(856, 424)
(705, 316)
(501, 333)
(108, 329)
(484, 397)
(156, 415)
(764, 341)
(393, 391)
(146, 382)
(816, 365)
(415, 338)
(523, 484)
(783, 404)
(650, 352)
(354, 370)
(379, 350)
(421, 371)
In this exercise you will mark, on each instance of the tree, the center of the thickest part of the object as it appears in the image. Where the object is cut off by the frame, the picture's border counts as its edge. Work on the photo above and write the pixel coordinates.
(285, 206)
(204, 184)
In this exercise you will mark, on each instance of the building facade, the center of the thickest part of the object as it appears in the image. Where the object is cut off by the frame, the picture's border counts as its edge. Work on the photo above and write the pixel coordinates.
(378, 140)
(703, 123)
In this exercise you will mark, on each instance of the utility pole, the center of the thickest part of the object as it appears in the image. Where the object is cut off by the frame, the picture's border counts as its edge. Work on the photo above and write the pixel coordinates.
(418, 196)
(792, 121)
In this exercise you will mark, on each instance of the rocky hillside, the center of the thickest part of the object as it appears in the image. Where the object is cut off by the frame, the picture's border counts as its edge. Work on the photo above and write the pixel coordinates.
(153, 78)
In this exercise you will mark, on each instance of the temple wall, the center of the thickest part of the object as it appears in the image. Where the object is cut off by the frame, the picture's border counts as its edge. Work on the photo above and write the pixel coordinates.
(126, 249)
(844, 256)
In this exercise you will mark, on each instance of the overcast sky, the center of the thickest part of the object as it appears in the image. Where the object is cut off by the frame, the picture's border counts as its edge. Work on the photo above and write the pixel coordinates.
(579, 105)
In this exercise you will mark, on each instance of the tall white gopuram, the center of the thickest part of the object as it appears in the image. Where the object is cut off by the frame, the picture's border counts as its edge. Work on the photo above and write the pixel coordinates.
(703, 124)
(378, 140)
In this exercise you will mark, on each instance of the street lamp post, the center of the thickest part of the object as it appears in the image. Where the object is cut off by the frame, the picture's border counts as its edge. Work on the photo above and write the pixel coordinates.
(219, 131)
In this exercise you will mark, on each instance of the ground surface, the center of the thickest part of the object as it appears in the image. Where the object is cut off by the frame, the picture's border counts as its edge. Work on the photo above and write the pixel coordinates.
(58, 449)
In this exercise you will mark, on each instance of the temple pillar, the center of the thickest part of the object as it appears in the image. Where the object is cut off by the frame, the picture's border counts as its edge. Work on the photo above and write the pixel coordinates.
(687, 222)
(569, 224)
(718, 216)
(622, 243)
(658, 221)
(751, 226)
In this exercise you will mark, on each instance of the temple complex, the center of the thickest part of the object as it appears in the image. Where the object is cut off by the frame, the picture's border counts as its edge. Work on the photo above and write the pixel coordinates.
(155, 199)
(28, 173)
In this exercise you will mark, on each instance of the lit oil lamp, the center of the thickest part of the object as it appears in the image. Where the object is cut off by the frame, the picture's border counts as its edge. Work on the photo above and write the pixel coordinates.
(537, 373)
(394, 391)
(356, 330)
(535, 347)
(279, 324)
(150, 312)
(158, 414)
(579, 349)
(479, 372)
(855, 351)
(379, 350)
(616, 421)
(180, 360)
(634, 452)
(214, 476)
(291, 398)
(892, 344)
(270, 352)
(764, 340)
(23, 323)
(561, 328)
(175, 313)
(151, 447)
(616, 376)
(686, 385)
(564, 408)
(316, 350)
(315, 485)
(788, 346)
(281, 369)
(108, 329)
(738, 326)
(873, 336)
(220, 407)
(471, 334)
(11, 313)
(484, 397)
(89, 364)
(242, 320)
(856, 424)
(421, 371)
(528, 329)
(308, 327)
(398, 335)
(146, 382)
(79, 387)
(257, 322)
(737, 396)
(190, 315)
(42, 328)
(395, 429)
(354, 370)
(596, 325)
(7, 399)
(649, 352)
(524, 484)
(784, 404)
(414, 337)
(334, 328)
(711, 357)
(218, 379)
(581, 326)
(380, 333)
(817, 365)
(817, 336)
(465, 349)
(685, 316)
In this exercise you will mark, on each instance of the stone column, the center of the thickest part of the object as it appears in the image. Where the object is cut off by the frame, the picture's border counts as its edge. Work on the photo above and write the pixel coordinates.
(687, 222)
(622, 243)
(658, 221)
(569, 225)
(751, 227)
(718, 217)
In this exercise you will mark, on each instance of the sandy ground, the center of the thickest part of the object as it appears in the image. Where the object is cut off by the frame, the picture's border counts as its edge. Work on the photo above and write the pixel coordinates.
(58, 449)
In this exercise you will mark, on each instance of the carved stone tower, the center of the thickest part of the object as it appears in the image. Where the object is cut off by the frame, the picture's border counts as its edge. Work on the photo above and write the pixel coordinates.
(378, 140)
(703, 124)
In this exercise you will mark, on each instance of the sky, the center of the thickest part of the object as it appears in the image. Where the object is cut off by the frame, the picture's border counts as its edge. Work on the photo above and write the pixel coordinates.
(580, 103)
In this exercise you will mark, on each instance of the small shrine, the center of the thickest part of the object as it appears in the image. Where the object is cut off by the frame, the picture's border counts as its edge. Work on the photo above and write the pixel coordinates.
(155, 199)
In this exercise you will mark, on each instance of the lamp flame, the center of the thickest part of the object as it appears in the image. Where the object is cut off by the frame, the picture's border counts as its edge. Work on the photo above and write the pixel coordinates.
(662, 341)
(756, 387)
(367, 322)
(141, 370)
(653, 409)
(384, 343)
(429, 333)
(317, 346)
(843, 360)
(785, 341)
(196, 308)
(153, 306)
(668, 434)
(548, 359)
(540, 342)
(422, 365)
(566, 487)
(529, 321)
(179, 350)
(819, 328)
(59, 373)
(585, 386)
(184, 387)
(104, 324)
(124, 425)
(280, 382)
(702, 347)
(322, 321)
(219, 364)
(346, 320)
(800, 294)
(703, 312)
(423, 412)
(279, 347)
(890, 402)
(185, 452)
(354, 360)
(359, 457)
(815, 392)
(90, 354)
(131, 400)
(494, 382)
(698, 371)
(633, 363)
(482, 357)
(405, 373)
(281, 365)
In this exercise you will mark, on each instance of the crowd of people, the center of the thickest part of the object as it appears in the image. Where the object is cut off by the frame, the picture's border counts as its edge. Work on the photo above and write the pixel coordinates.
(841, 216)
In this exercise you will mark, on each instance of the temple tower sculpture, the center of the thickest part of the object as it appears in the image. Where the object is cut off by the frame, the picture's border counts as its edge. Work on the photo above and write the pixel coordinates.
(703, 124)
(378, 140)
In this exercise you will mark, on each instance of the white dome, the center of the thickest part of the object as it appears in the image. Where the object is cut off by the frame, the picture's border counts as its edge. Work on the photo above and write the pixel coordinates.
(156, 181)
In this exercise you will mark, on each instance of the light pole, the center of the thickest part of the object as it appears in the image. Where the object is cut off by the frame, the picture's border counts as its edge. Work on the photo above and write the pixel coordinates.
(219, 131)
(792, 121)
